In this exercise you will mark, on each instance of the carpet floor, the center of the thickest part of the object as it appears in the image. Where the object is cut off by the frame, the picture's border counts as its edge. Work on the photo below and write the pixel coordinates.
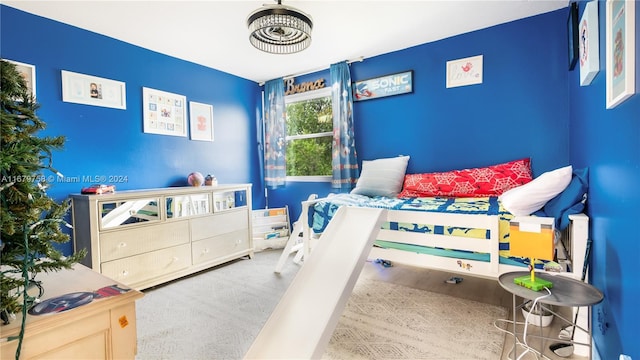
(388, 321)
(216, 314)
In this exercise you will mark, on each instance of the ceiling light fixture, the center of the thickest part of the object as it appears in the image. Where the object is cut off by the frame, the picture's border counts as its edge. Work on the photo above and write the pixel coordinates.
(279, 29)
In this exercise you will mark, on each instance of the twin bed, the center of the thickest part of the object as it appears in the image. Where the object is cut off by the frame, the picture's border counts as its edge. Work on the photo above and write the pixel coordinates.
(458, 221)
(462, 235)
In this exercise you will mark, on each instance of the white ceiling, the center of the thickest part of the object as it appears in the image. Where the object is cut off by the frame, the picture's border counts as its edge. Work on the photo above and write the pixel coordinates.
(214, 33)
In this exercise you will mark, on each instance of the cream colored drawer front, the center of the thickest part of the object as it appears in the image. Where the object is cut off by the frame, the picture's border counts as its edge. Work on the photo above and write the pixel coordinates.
(147, 266)
(119, 244)
(221, 223)
(86, 338)
(220, 246)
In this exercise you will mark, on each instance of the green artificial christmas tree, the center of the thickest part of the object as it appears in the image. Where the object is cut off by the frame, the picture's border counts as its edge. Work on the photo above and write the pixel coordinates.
(30, 220)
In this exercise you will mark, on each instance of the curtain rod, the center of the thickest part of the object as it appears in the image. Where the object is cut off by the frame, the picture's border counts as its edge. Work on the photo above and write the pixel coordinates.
(359, 59)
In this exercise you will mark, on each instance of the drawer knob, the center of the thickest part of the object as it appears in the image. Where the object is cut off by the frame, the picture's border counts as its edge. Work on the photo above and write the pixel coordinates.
(124, 273)
(122, 244)
(205, 250)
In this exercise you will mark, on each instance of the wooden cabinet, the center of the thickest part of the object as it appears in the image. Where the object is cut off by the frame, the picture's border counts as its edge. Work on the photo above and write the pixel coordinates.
(144, 238)
(102, 329)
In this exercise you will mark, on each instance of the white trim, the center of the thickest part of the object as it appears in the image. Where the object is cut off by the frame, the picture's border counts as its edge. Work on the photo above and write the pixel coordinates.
(308, 95)
(315, 178)
(309, 136)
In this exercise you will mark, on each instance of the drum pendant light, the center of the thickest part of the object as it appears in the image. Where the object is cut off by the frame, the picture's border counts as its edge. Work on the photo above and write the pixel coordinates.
(279, 29)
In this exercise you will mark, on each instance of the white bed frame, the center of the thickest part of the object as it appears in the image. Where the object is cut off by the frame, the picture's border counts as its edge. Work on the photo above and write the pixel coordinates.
(571, 249)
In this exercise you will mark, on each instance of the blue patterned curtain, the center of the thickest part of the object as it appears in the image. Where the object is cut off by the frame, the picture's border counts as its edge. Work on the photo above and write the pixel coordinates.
(344, 158)
(274, 134)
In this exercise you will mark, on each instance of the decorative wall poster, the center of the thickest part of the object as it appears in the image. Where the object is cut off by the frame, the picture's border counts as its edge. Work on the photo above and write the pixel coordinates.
(395, 84)
(589, 45)
(28, 73)
(201, 121)
(93, 90)
(462, 72)
(164, 113)
(621, 49)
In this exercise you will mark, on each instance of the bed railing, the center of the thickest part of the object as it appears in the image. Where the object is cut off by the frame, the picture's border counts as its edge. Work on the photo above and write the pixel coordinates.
(488, 222)
(575, 245)
(571, 255)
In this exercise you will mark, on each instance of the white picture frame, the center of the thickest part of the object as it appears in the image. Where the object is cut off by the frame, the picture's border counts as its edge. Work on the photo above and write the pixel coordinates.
(28, 73)
(463, 72)
(92, 90)
(620, 51)
(201, 121)
(589, 43)
(164, 113)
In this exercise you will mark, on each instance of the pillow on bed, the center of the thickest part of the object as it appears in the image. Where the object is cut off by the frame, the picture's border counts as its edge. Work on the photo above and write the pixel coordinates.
(477, 182)
(570, 201)
(526, 199)
(381, 177)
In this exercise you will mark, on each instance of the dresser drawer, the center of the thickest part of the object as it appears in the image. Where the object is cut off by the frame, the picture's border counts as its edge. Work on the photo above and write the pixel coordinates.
(218, 224)
(81, 338)
(220, 246)
(146, 266)
(123, 243)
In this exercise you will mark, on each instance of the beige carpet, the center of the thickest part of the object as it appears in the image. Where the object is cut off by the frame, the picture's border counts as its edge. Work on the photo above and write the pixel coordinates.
(388, 321)
(216, 315)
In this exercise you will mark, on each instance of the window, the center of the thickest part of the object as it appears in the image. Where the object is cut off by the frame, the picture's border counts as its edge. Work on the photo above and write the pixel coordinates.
(309, 135)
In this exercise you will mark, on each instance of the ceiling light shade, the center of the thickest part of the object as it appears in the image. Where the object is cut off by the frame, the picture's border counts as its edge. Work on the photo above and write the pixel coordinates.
(279, 29)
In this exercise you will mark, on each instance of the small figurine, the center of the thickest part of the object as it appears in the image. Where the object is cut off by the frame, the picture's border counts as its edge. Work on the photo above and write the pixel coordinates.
(210, 180)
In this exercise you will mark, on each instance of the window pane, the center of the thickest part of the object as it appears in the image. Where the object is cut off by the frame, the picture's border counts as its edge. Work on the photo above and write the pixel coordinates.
(309, 116)
(309, 157)
(309, 136)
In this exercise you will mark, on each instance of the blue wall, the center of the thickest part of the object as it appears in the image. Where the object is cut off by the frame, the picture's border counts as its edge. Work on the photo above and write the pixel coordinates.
(520, 110)
(608, 141)
(103, 141)
(529, 105)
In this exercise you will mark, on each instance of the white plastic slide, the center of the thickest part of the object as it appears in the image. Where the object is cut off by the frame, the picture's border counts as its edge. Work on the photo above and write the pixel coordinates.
(303, 322)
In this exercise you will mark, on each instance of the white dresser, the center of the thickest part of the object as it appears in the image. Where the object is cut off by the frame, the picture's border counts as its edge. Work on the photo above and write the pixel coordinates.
(143, 238)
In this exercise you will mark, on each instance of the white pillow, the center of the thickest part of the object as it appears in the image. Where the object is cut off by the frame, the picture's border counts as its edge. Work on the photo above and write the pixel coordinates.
(526, 199)
(382, 177)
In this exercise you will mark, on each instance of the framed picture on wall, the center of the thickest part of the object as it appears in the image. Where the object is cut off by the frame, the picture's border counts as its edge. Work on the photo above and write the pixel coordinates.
(164, 113)
(201, 121)
(462, 72)
(572, 35)
(589, 44)
(620, 51)
(28, 73)
(93, 90)
(383, 86)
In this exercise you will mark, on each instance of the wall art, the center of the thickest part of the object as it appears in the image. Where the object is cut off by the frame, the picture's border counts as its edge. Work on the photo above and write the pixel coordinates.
(589, 45)
(572, 35)
(620, 43)
(28, 73)
(394, 84)
(462, 72)
(93, 90)
(201, 121)
(164, 113)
